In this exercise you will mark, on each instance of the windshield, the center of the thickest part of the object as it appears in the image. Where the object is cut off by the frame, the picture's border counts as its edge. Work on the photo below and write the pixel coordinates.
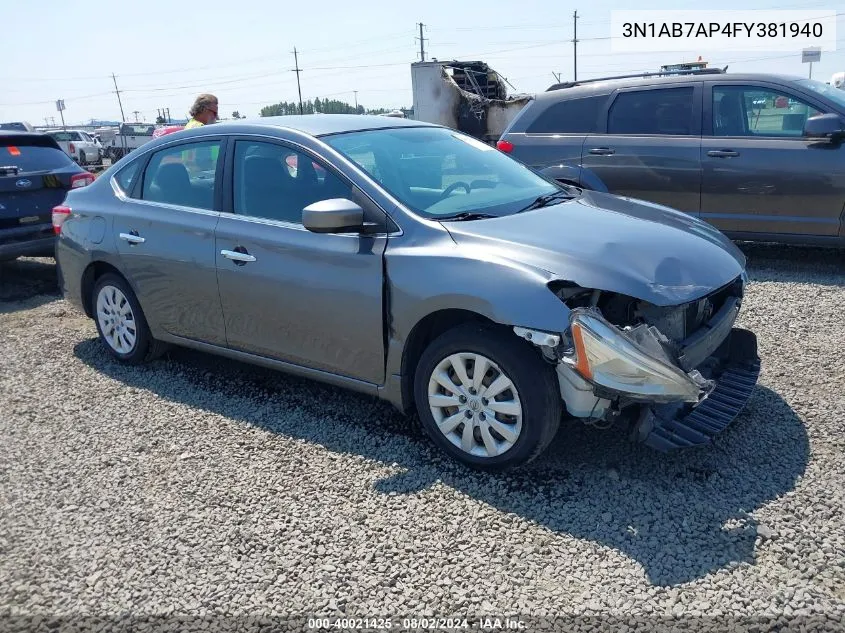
(440, 173)
(837, 95)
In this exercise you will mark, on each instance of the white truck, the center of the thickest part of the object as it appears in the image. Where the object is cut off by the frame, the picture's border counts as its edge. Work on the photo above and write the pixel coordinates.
(129, 137)
(838, 80)
(467, 96)
(79, 145)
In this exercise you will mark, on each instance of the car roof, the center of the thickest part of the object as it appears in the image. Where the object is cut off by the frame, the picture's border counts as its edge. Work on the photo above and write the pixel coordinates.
(321, 124)
(608, 85)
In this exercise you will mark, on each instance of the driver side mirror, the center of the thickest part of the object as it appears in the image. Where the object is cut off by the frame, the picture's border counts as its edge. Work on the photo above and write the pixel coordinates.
(824, 126)
(336, 215)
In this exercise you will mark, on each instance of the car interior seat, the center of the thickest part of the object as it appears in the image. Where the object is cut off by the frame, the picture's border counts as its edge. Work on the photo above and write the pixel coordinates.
(172, 184)
(266, 190)
(729, 116)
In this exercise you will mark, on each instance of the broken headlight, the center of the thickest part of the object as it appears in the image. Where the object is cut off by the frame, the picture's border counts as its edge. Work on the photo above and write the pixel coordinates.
(607, 358)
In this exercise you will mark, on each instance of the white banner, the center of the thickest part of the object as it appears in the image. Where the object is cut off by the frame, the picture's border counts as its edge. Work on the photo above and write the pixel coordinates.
(701, 31)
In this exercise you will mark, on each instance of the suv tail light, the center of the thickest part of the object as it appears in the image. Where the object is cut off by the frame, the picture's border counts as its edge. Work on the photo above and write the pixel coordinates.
(60, 214)
(71, 148)
(81, 180)
(505, 146)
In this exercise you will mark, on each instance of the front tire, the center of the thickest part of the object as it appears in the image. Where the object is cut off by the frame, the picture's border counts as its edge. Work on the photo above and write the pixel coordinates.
(121, 323)
(486, 398)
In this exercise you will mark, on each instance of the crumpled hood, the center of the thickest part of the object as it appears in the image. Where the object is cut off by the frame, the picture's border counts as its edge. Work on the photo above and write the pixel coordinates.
(605, 242)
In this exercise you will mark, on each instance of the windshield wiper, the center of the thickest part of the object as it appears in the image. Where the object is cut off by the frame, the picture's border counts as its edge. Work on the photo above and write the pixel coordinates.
(467, 215)
(547, 199)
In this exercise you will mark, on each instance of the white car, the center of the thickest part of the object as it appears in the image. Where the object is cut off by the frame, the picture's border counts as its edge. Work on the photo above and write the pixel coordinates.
(78, 145)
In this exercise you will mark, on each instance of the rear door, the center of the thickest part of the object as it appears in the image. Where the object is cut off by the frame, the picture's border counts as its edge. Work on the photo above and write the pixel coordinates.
(649, 145)
(164, 232)
(34, 177)
(760, 175)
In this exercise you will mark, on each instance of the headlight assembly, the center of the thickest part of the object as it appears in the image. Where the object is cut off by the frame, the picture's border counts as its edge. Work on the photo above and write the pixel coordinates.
(605, 356)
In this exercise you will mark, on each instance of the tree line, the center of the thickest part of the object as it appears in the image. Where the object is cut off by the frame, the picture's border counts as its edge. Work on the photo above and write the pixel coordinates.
(324, 106)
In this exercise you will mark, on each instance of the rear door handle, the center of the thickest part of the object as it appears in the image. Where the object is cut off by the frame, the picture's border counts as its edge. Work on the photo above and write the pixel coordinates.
(237, 257)
(132, 238)
(602, 151)
(722, 153)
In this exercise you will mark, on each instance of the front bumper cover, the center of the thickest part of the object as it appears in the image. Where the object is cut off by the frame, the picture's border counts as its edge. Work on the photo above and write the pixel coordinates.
(671, 426)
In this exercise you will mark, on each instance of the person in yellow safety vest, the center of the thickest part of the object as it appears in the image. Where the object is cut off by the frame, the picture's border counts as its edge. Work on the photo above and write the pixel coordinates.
(203, 112)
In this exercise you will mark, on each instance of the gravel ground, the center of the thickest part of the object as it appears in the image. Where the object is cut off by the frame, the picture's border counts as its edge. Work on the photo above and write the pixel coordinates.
(202, 488)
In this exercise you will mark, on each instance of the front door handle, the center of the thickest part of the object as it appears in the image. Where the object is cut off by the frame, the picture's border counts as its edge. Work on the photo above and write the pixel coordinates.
(132, 237)
(237, 256)
(722, 153)
(602, 151)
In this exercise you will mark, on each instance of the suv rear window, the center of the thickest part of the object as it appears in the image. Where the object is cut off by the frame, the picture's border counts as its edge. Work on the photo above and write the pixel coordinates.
(667, 111)
(30, 155)
(572, 116)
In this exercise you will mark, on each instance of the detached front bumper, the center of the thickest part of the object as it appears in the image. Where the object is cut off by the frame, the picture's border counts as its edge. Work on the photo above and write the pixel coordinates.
(666, 426)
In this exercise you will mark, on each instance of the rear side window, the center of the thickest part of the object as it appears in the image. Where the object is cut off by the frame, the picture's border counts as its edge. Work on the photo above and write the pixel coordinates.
(662, 112)
(126, 177)
(29, 158)
(183, 175)
(570, 116)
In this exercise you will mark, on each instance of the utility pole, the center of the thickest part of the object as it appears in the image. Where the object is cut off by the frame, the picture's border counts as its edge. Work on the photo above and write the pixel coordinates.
(422, 42)
(46, 121)
(575, 45)
(136, 113)
(556, 76)
(53, 121)
(168, 115)
(297, 71)
(62, 114)
(117, 92)
(356, 101)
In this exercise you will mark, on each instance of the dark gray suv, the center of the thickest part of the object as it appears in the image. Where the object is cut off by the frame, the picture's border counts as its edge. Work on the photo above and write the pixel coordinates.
(758, 156)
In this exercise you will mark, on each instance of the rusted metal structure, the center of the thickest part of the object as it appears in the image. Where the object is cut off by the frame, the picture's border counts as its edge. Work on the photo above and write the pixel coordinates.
(465, 95)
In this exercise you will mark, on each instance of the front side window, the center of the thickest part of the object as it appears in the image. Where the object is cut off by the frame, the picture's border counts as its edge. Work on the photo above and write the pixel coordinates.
(753, 111)
(184, 174)
(275, 182)
(571, 116)
(439, 173)
(666, 112)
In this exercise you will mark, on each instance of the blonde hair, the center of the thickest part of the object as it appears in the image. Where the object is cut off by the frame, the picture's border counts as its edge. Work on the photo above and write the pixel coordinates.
(202, 102)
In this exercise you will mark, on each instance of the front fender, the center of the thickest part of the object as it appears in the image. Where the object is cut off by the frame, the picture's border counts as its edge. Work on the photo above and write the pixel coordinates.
(471, 279)
(575, 174)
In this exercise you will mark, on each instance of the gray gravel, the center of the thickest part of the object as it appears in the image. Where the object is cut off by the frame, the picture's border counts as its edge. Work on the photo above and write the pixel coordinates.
(199, 487)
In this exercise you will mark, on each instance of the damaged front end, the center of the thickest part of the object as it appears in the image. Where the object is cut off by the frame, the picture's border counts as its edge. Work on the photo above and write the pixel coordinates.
(679, 375)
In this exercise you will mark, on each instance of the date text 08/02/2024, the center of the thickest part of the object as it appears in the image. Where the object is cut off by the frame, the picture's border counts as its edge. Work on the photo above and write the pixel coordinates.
(414, 624)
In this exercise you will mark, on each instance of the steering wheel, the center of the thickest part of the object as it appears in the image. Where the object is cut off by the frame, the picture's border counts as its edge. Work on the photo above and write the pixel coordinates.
(448, 191)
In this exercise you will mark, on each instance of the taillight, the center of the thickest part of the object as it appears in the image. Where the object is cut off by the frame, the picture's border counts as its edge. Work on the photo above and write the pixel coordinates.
(60, 214)
(505, 146)
(81, 180)
(71, 148)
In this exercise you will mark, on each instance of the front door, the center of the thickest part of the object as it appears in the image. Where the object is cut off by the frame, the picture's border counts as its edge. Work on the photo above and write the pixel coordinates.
(651, 146)
(760, 176)
(311, 299)
(164, 232)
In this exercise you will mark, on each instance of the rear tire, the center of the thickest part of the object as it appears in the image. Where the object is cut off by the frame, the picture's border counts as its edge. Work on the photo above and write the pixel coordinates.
(121, 323)
(501, 419)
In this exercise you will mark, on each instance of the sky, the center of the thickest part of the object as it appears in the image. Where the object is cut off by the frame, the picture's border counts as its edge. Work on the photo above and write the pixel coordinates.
(164, 53)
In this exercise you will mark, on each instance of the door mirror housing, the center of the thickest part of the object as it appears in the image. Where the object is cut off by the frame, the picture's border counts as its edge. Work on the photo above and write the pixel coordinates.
(336, 215)
(824, 126)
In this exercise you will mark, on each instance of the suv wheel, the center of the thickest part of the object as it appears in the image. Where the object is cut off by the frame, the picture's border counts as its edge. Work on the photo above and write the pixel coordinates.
(487, 398)
(121, 323)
